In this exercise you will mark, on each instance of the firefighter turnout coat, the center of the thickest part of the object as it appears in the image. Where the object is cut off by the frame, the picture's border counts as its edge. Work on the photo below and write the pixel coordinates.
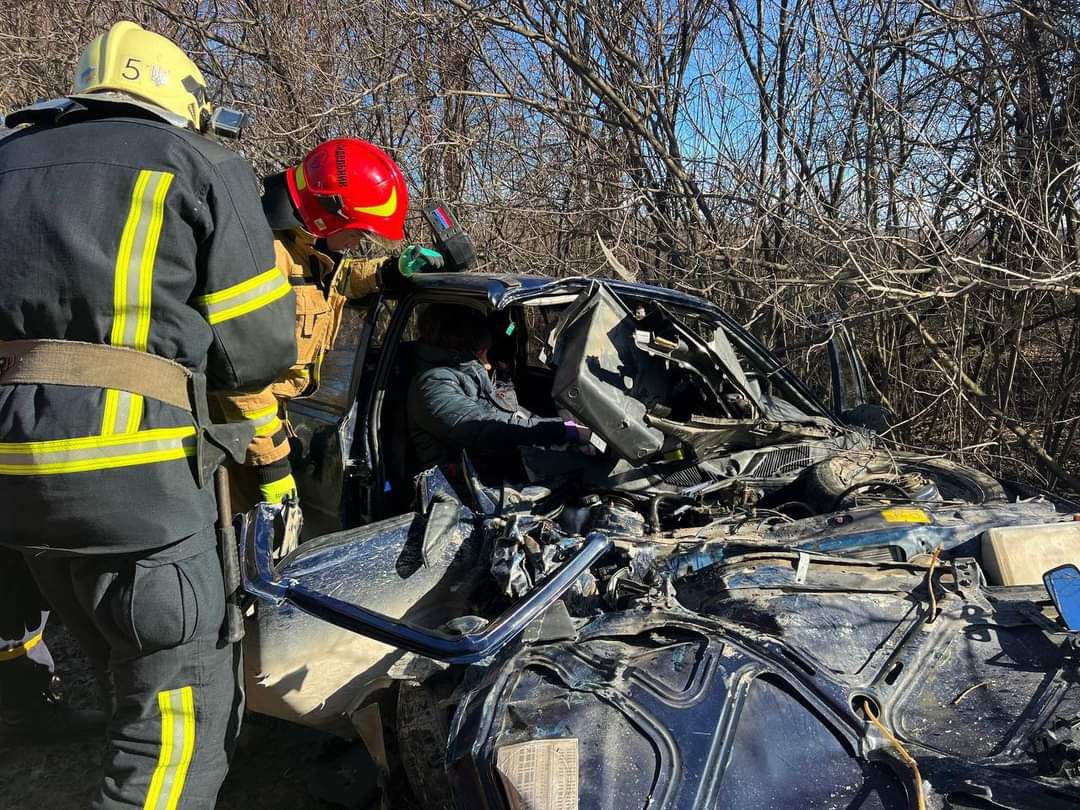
(132, 233)
(322, 284)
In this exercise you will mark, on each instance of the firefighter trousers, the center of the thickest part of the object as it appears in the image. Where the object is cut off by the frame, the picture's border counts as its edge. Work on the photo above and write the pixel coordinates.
(26, 667)
(153, 621)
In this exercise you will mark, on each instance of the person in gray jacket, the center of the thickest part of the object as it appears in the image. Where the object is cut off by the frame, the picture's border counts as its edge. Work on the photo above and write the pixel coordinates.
(453, 403)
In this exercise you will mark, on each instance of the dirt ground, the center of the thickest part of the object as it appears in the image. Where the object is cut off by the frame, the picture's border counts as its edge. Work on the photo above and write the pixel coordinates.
(277, 765)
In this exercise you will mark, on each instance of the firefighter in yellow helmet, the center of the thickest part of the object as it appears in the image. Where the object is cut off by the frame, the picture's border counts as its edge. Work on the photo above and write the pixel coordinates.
(146, 276)
(344, 192)
(130, 65)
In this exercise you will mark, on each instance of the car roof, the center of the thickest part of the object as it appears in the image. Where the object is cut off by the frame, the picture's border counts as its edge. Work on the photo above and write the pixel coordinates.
(500, 289)
(489, 285)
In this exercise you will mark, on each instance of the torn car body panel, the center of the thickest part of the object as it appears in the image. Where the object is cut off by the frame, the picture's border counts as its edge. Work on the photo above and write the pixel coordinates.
(302, 667)
(342, 619)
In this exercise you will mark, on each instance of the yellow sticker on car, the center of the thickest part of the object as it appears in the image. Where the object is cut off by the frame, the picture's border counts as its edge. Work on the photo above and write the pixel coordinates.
(905, 514)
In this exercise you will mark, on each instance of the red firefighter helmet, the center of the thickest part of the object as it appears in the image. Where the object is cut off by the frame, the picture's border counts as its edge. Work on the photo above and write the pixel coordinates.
(348, 183)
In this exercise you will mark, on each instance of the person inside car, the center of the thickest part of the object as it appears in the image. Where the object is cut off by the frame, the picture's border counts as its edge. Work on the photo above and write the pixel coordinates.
(454, 405)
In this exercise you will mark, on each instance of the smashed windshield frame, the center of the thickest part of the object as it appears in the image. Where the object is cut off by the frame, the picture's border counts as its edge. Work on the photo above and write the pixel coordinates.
(754, 358)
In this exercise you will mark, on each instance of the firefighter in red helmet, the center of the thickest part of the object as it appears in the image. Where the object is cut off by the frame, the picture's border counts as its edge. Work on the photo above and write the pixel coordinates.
(349, 185)
(343, 193)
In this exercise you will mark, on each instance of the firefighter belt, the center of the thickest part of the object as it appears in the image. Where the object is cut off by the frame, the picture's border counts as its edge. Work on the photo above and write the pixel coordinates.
(96, 365)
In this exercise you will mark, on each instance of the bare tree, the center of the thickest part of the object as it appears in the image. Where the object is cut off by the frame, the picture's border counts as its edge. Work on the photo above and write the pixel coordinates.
(905, 167)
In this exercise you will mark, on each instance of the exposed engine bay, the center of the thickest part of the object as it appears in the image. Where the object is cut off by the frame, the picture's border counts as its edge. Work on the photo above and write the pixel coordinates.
(692, 445)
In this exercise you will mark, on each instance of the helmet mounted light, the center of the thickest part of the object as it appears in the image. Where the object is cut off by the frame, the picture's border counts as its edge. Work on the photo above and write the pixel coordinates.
(226, 122)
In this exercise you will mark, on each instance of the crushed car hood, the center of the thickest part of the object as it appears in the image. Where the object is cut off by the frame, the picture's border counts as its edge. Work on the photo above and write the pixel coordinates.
(753, 684)
(613, 374)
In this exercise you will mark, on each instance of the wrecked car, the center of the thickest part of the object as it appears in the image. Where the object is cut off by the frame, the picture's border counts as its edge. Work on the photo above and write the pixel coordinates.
(736, 596)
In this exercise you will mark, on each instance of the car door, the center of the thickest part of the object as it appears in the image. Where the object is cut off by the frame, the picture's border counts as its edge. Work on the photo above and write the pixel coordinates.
(382, 454)
(414, 572)
(325, 423)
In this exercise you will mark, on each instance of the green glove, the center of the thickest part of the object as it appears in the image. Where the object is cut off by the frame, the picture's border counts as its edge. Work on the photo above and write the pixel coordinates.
(279, 490)
(417, 259)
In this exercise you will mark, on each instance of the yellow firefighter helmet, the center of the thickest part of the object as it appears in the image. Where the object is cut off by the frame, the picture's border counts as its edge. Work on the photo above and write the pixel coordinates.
(146, 66)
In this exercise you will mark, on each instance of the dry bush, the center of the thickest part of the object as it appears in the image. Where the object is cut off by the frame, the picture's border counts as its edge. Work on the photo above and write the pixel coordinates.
(908, 169)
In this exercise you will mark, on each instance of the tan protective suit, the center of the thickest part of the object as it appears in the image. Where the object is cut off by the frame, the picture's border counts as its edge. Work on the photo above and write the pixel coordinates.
(318, 318)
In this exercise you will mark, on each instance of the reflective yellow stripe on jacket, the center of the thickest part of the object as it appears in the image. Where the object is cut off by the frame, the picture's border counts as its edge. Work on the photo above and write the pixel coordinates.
(265, 420)
(121, 443)
(59, 456)
(132, 289)
(242, 298)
